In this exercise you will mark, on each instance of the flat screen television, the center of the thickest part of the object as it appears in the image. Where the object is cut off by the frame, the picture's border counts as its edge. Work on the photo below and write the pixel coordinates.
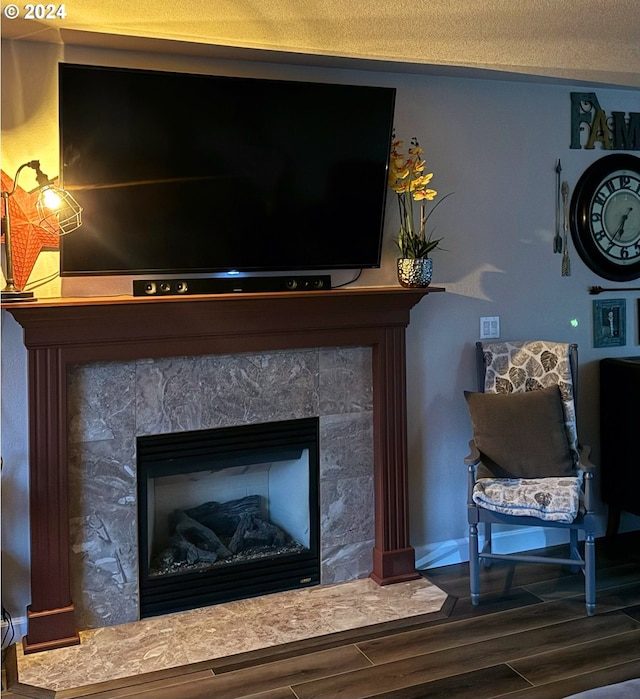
(193, 173)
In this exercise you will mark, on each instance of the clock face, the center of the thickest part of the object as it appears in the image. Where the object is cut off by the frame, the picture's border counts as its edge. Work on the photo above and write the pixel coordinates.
(605, 217)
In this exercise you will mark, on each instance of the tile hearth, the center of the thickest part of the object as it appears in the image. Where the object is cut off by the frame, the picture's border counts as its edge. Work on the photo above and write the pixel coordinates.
(224, 630)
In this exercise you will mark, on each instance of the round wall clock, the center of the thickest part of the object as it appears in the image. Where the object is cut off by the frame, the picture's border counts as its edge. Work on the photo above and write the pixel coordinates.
(605, 217)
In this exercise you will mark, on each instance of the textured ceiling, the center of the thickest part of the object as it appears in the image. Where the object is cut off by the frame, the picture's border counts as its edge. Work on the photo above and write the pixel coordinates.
(575, 39)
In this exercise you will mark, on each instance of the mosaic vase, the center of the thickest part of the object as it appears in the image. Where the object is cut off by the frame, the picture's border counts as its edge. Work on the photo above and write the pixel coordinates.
(415, 272)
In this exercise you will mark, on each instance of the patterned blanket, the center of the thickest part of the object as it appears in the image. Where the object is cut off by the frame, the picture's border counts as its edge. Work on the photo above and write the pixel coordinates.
(551, 499)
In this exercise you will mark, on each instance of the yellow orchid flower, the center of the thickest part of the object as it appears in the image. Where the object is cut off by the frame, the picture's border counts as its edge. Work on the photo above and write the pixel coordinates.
(425, 179)
(428, 194)
(401, 187)
(421, 182)
(407, 178)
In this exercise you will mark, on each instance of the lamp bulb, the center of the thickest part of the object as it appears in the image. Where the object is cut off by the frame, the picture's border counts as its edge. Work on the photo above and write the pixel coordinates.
(52, 199)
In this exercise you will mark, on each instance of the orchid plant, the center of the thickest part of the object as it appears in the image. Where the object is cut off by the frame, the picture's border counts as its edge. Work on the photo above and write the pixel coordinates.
(408, 179)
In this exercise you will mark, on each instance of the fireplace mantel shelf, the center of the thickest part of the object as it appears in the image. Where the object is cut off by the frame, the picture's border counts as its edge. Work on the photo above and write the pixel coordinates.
(225, 320)
(61, 301)
(61, 332)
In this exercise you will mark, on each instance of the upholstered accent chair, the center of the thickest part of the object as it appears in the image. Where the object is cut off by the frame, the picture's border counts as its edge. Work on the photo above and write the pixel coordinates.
(526, 466)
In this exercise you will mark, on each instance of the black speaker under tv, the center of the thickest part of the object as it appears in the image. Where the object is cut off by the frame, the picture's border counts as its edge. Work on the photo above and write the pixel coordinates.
(189, 173)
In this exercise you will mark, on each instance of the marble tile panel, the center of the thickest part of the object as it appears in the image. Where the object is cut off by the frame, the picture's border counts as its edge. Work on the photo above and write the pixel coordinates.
(345, 380)
(100, 401)
(102, 474)
(343, 562)
(190, 393)
(103, 532)
(346, 511)
(168, 395)
(265, 387)
(346, 445)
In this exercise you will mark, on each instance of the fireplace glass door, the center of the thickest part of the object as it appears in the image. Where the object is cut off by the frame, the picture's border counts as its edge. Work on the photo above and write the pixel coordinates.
(227, 513)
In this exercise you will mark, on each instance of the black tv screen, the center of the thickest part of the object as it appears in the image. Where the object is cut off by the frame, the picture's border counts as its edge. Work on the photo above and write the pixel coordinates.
(197, 173)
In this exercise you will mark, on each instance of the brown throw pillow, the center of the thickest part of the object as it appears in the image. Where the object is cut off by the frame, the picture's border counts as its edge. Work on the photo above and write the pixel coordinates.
(520, 435)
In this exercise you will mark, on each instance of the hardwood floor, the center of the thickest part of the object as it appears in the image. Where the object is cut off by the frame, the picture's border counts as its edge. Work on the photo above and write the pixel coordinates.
(530, 638)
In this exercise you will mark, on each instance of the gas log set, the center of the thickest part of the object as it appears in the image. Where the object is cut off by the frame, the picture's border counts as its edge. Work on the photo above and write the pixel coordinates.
(221, 533)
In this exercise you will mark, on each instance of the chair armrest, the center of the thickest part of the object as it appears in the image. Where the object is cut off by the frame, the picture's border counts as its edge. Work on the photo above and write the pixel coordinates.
(589, 469)
(471, 460)
(473, 457)
(585, 463)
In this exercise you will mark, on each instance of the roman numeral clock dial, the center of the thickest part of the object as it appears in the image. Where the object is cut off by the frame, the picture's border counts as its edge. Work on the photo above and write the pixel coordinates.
(605, 217)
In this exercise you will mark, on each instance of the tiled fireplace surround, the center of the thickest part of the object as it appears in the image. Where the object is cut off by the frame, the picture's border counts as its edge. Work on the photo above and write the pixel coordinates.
(110, 404)
(104, 370)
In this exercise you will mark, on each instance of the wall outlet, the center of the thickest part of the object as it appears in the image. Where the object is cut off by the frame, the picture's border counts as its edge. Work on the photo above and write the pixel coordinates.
(490, 328)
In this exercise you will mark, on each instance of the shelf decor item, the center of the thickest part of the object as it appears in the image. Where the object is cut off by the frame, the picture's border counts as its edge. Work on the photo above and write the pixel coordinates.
(410, 182)
(415, 271)
(609, 323)
(56, 212)
(605, 217)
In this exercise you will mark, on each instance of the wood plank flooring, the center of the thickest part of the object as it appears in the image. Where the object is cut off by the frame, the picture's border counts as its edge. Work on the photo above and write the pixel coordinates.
(530, 638)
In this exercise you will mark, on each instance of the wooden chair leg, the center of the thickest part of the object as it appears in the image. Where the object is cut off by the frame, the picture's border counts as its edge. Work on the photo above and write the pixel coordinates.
(590, 573)
(488, 544)
(574, 552)
(474, 565)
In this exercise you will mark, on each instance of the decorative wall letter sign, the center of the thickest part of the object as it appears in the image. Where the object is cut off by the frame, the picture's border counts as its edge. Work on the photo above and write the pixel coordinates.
(615, 132)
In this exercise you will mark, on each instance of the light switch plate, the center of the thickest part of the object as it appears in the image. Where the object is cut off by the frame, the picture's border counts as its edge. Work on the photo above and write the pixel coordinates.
(490, 328)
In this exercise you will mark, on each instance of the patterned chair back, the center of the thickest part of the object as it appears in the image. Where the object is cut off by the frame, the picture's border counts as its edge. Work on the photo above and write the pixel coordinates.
(516, 367)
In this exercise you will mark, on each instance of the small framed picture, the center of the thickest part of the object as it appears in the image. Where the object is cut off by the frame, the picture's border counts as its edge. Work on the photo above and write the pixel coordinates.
(609, 323)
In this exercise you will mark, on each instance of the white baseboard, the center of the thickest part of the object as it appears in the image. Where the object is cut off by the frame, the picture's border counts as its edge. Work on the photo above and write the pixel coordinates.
(444, 553)
(19, 630)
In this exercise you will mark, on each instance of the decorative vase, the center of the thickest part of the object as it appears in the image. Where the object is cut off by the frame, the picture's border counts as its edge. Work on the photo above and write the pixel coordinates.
(415, 272)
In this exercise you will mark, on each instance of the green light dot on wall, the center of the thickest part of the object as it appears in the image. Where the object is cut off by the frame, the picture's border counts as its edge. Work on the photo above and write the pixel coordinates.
(574, 322)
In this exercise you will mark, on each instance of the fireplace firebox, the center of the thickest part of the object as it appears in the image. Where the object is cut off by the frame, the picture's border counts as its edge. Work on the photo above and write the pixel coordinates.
(227, 513)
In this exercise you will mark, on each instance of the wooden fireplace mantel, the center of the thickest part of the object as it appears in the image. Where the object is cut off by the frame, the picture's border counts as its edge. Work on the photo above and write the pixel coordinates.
(65, 331)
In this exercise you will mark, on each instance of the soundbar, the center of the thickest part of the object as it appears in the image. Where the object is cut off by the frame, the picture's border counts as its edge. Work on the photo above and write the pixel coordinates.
(232, 285)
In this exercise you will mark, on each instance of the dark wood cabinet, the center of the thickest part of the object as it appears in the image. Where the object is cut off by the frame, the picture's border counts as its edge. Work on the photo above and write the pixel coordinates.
(620, 437)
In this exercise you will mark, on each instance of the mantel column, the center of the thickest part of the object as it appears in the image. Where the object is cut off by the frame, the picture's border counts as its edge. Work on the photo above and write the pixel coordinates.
(51, 615)
(393, 557)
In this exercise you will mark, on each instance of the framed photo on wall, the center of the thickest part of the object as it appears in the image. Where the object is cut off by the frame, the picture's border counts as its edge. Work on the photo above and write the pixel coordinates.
(610, 323)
